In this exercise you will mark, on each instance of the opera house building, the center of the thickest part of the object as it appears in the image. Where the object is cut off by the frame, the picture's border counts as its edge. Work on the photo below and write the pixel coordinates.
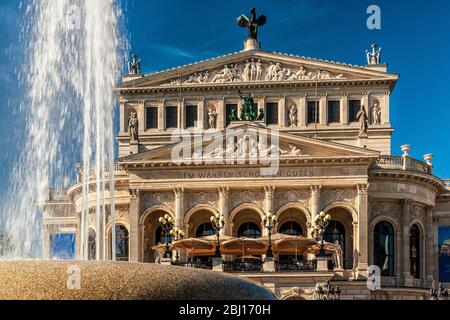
(270, 166)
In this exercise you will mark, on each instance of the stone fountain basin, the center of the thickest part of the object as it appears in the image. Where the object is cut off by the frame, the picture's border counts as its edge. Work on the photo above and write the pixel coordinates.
(107, 280)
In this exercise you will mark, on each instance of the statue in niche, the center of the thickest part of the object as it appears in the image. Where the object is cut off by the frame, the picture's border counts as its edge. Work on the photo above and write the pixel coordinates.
(133, 126)
(134, 66)
(248, 111)
(260, 114)
(252, 24)
(376, 114)
(363, 120)
(338, 256)
(374, 56)
(212, 118)
(233, 116)
(293, 116)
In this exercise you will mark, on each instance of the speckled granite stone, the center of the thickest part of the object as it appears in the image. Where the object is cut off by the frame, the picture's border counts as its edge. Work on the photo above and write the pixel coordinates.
(47, 280)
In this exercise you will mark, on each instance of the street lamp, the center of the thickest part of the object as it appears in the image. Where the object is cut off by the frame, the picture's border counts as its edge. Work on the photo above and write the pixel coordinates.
(269, 221)
(177, 234)
(167, 223)
(439, 294)
(218, 222)
(327, 292)
(321, 222)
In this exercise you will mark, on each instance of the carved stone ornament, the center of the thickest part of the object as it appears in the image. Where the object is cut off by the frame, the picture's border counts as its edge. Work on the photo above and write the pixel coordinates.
(417, 211)
(197, 198)
(284, 197)
(252, 70)
(255, 197)
(338, 195)
(389, 208)
(166, 199)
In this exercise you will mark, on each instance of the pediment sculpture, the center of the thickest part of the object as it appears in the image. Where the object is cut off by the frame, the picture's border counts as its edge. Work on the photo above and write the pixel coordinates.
(247, 146)
(252, 70)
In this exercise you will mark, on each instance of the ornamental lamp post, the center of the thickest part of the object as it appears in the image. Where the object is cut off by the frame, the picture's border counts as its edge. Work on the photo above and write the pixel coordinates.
(167, 223)
(321, 222)
(218, 222)
(269, 221)
(177, 234)
(439, 294)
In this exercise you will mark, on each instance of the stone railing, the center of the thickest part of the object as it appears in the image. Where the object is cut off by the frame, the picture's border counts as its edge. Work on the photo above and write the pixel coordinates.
(447, 183)
(403, 163)
(118, 171)
(57, 194)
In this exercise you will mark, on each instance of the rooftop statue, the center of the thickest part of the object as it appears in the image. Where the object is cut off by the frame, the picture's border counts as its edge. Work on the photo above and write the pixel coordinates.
(252, 24)
(374, 56)
(134, 66)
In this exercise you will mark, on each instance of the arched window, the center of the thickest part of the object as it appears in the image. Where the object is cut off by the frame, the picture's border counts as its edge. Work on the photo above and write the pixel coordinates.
(205, 229)
(122, 247)
(162, 237)
(92, 254)
(414, 250)
(291, 228)
(249, 230)
(335, 231)
(383, 248)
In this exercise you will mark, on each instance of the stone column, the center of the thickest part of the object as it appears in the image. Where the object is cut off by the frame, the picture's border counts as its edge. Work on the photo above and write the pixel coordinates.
(123, 117)
(140, 109)
(406, 271)
(221, 114)
(181, 114)
(363, 227)
(134, 244)
(302, 111)
(268, 199)
(46, 243)
(344, 108)
(429, 250)
(201, 113)
(315, 202)
(179, 206)
(161, 115)
(323, 109)
(398, 256)
(223, 209)
(385, 109)
(365, 102)
(282, 111)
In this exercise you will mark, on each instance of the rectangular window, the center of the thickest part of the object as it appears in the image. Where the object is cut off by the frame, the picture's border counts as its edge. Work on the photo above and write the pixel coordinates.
(152, 117)
(272, 113)
(171, 117)
(191, 116)
(353, 108)
(229, 111)
(334, 111)
(313, 112)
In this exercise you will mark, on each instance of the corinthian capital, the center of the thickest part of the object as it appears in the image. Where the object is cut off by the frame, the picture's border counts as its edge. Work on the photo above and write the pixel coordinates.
(223, 191)
(269, 189)
(315, 189)
(134, 193)
(362, 188)
(179, 191)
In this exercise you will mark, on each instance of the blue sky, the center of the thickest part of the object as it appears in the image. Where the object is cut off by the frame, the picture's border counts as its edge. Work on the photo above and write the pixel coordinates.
(414, 35)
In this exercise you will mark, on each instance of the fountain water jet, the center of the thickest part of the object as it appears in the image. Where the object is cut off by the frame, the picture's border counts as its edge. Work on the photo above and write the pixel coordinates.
(74, 56)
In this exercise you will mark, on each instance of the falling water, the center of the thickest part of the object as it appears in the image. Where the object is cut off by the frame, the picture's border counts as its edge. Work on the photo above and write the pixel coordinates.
(73, 58)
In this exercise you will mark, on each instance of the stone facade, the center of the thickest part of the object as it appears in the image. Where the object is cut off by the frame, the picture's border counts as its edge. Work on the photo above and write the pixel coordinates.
(325, 165)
